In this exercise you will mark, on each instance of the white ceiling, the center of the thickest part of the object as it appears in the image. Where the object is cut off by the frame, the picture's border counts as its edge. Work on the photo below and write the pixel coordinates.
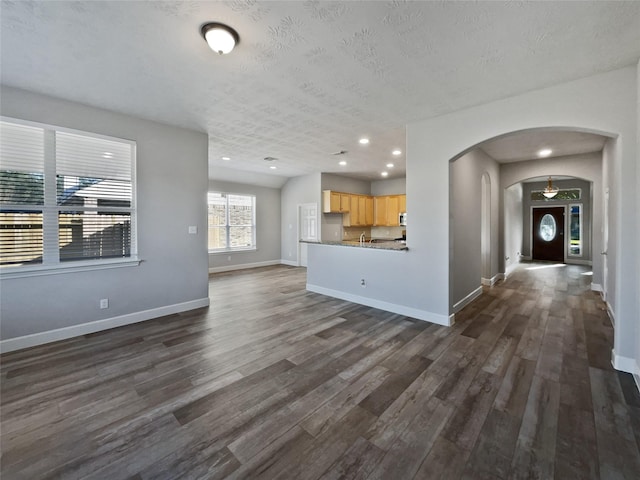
(521, 146)
(308, 78)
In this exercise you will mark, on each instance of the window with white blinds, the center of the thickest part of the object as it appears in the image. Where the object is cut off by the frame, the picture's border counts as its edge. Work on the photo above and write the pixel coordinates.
(232, 222)
(64, 195)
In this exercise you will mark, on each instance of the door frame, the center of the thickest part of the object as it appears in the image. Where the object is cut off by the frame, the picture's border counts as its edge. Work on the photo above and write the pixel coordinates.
(301, 244)
(531, 232)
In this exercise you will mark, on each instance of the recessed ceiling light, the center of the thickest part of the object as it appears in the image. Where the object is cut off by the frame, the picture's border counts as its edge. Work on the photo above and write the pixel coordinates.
(384, 174)
(107, 155)
(545, 152)
(343, 162)
(364, 141)
(389, 165)
(226, 158)
(272, 167)
(221, 38)
(396, 152)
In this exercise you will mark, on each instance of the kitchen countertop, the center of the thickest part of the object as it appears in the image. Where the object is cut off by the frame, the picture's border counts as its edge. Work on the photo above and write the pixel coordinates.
(376, 244)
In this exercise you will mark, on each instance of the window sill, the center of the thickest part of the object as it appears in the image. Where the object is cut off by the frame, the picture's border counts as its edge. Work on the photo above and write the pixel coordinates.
(71, 267)
(236, 250)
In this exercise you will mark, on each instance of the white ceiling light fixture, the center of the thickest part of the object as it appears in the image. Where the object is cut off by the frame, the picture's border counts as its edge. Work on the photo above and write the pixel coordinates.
(384, 174)
(550, 191)
(396, 152)
(389, 165)
(221, 38)
(226, 159)
(364, 141)
(342, 162)
(272, 167)
(545, 152)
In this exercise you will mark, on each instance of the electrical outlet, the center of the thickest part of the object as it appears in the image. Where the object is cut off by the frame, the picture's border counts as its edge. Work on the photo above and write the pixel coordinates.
(363, 283)
(104, 303)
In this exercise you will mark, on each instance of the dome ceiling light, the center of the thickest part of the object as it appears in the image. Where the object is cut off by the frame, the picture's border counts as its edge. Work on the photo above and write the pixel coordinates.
(221, 38)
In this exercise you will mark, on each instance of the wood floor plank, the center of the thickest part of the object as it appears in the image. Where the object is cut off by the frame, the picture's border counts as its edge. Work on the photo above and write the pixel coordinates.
(273, 381)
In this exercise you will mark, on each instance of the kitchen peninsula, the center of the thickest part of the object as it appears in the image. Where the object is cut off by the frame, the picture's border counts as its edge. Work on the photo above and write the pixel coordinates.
(376, 244)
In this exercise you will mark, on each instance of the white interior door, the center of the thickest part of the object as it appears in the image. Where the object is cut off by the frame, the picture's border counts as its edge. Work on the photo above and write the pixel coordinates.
(308, 225)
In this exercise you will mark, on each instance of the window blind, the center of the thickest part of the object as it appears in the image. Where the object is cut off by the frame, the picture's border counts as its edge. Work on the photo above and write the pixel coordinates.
(67, 198)
(21, 164)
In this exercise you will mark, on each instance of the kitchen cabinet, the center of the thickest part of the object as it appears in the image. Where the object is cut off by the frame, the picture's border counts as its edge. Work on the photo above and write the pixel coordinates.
(364, 210)
(380, 211)
(335, 202)
(360, 212)
(387, 210)
(393, 210)
(368, 210)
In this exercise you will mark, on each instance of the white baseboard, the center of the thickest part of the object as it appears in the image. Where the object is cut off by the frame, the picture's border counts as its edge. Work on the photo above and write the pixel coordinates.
(571, 261)
(490, 282)
(289, 262)
(242, 266)
(467, 300)
(612, 316)
(596, 287)
(439, 319)
(528, 258)
(26, 341)
(628, 365)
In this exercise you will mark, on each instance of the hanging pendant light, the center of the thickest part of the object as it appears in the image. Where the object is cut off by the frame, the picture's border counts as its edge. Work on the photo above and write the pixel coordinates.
(550, 191)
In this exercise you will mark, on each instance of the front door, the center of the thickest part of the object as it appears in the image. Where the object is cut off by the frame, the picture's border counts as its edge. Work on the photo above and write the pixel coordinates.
(548, 234)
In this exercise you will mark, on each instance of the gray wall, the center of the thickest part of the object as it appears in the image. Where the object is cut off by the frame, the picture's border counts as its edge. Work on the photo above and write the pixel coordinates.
(465, 224)
(268, 227)
(331, 223)
(609, 154)
(604, 103)
(297, 190)
(394, 186)
(513, 226)
(586, 214)
(171, 191)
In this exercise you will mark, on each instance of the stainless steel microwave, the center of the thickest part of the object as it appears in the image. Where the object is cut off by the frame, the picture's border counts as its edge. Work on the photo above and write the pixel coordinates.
(403, 219)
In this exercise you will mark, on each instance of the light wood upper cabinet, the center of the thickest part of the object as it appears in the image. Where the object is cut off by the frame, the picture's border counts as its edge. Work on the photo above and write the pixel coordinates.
(335, 202)
(360, 212)
(388, 208)
(393, 210)
(364, 210)
(380, 211)
(368, 210)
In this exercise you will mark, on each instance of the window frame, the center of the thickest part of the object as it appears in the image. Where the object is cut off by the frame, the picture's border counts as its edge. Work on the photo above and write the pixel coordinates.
(555, 199)
(51, 262)
(228, 226)
(581, 239)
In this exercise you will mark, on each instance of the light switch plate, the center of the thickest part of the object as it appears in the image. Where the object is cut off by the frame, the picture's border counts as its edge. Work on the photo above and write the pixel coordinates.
(193, 229)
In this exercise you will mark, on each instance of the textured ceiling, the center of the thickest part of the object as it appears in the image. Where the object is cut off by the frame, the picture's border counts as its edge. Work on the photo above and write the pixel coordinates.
(521, 146)
(308, 78)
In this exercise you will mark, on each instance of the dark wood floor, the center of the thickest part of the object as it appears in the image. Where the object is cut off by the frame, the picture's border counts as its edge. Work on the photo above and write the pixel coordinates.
(276, 382)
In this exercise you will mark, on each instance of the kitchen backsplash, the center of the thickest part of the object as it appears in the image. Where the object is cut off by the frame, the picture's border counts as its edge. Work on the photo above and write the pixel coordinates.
(353, 233)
